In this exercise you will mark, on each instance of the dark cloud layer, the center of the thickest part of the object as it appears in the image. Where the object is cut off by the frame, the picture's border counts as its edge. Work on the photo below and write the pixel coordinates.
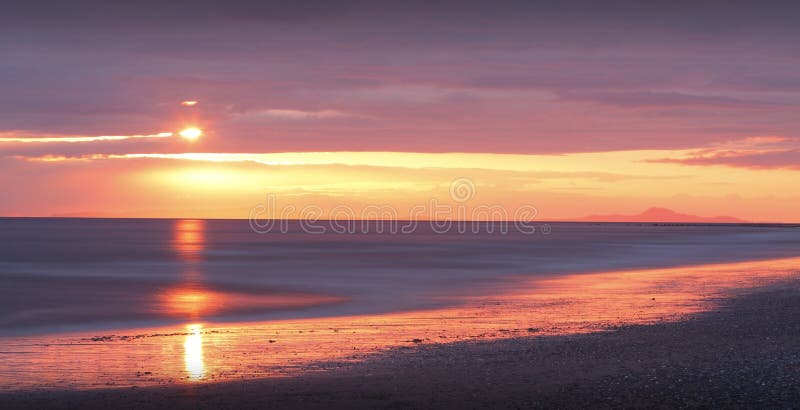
(706, 16)
(412, 76)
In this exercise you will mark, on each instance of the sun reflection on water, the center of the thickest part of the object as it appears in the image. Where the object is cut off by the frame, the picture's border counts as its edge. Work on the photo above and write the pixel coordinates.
(559, 305)
(190, 299)
(189, 239)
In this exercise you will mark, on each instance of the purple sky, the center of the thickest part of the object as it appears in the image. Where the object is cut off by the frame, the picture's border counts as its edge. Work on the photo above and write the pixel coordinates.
(575, 88)
(455, 76)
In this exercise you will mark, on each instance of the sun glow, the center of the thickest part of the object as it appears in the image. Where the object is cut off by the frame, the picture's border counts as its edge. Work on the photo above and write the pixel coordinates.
(191, 133)
(193, 353)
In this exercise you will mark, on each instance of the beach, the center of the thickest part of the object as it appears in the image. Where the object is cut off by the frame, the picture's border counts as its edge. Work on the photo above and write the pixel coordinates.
(401, 205)
(658, 318)
(744, 354)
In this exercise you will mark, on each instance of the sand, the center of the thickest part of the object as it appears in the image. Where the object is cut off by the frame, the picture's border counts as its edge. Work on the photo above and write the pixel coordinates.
(744, 353)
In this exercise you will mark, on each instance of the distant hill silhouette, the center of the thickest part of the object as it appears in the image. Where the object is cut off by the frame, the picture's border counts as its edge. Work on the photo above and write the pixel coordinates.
(659, 215)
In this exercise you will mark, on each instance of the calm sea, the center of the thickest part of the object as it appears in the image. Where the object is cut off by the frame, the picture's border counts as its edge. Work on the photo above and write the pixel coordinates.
(74, 274)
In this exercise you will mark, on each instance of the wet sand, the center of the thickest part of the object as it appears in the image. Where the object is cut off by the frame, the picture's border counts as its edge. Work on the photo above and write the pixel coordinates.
(713, 335)
(745, 354)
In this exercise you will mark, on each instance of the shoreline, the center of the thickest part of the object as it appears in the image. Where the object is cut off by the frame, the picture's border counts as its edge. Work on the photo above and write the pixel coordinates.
(745, 353)
(199, 355)
(502, 285)
(191, 267)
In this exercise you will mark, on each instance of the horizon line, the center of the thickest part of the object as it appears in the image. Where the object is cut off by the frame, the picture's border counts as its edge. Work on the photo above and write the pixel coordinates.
(786, 223)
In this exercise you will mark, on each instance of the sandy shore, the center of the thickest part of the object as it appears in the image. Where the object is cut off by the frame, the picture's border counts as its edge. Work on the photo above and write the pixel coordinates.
(744, 353)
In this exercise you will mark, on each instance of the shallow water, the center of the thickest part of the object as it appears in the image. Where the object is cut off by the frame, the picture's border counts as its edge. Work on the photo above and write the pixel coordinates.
(211, 352)
(91, 274)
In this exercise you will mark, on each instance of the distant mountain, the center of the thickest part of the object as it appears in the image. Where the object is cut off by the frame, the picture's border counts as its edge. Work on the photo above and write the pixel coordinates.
(659, 215)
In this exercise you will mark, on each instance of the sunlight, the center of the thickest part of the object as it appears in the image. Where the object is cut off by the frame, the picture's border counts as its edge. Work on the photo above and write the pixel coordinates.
(189, 239)
(61, 139)
(189, 301)
(191, 133)
(193, 353)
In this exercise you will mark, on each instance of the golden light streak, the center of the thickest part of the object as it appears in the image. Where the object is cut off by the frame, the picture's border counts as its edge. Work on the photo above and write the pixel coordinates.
(83, 139)
(618, 162)
(616, 172)
(191, 133)
(559, 185)
(62, 158)
(189, 103)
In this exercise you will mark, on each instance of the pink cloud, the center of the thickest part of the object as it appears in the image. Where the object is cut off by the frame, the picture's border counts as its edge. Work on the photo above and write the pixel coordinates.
(760, 152)
(760, 160)
(294, 115)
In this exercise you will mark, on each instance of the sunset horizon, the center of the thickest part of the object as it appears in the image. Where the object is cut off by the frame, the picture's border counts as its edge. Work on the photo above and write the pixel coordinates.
(316, 178)
(352, 104)
(450, 204)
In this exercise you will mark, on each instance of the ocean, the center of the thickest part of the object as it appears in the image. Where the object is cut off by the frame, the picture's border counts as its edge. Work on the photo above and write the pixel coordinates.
(84, 274)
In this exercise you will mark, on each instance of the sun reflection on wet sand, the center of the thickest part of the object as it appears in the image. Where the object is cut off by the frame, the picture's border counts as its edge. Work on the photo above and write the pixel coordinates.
(219, 352)
(193, 353)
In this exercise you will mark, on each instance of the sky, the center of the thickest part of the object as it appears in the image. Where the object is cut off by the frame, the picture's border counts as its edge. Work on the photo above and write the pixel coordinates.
(575, 108)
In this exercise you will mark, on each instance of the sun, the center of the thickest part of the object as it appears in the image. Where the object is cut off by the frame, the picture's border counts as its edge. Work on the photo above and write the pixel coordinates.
(191, 133)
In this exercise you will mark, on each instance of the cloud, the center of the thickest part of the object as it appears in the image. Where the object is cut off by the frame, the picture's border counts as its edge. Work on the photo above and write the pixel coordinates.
(650, 99)
(405, 160)
(763, 152)
(5, 137)
(435, 77)
(28, 144)
(288, 114)
(789, 159)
